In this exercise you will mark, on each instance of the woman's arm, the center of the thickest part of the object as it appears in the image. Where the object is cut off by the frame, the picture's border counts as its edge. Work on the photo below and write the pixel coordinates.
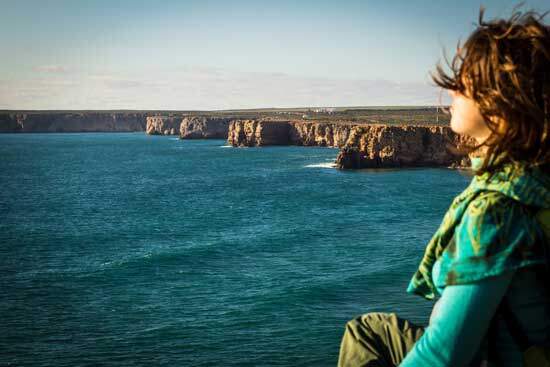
(460, 323)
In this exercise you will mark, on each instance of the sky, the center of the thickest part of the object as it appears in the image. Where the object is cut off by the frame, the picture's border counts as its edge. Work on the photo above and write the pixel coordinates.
(209, 55)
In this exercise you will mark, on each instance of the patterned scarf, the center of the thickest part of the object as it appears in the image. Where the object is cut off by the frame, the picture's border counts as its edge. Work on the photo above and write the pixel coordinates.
(484, 232)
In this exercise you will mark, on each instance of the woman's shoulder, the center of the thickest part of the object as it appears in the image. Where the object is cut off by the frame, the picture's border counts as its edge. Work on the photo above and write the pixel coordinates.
(495, 234)
(493, 216)
(490, 200)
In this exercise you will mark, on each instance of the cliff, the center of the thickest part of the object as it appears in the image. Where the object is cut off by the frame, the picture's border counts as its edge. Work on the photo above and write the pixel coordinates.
(377, 146)
(362, 146)
(9, 123)
(189, 127)
(47, 122)
(203, 127)
(258, 132)
(163, 125)
(320, 134)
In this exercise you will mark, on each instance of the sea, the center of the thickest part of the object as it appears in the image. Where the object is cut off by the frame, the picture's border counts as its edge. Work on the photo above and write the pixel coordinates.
(123, 249)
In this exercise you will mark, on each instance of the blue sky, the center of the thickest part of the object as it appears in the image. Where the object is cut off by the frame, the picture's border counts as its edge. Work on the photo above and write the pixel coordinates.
(181, 55)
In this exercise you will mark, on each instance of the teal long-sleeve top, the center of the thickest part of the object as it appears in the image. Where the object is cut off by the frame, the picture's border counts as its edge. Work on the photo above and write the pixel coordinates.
(459, 324)
(496, 224)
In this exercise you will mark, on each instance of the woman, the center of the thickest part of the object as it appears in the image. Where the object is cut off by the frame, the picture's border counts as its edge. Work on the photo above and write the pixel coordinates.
(487, 261)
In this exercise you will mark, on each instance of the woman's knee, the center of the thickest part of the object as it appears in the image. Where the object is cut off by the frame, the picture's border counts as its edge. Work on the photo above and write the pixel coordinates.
(365, 326)
(363, 340)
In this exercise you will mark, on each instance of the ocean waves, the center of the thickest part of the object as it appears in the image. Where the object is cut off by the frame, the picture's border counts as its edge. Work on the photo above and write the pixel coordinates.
(121, 249)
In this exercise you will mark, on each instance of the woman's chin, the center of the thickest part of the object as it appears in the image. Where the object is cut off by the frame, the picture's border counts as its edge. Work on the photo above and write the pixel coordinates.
(457, 128)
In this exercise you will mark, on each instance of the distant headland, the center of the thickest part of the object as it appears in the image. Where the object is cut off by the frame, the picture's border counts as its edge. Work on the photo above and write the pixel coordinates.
(368, 137)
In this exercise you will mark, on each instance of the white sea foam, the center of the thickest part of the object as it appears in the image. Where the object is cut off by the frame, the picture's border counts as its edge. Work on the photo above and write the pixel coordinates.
(226, 146)
(322, 165)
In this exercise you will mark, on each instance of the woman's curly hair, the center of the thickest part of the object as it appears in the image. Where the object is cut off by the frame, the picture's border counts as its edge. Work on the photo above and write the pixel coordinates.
(504, 66)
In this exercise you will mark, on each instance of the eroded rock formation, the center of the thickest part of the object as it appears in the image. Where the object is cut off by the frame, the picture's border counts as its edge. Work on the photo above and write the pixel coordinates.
(401, 146)
(163, 125)
(47, 122)
(251, 133)
(374, 146)
(362, 146)
(319, 133)
(203, 127)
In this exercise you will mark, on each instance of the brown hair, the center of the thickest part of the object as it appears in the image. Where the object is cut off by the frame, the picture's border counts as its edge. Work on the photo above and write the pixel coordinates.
(504, 66)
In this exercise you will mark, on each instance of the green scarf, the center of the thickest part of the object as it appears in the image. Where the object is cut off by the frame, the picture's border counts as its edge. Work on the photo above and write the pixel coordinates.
(489, 229)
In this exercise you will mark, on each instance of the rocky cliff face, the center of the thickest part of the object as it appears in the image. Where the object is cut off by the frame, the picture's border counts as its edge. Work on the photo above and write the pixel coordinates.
(163, 125)
(401, 146)
(275, 132)
(251, 133)
(9, 123)
(72, 122)
(362, 146)
(319, 134)
(203, 127)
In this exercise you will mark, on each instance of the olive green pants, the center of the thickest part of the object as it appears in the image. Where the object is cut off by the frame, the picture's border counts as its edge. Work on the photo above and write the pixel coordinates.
(377, 340)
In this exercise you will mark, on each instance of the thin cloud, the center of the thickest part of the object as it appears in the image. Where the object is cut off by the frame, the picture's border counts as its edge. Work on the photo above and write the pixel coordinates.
(53, 69)
(205, 88)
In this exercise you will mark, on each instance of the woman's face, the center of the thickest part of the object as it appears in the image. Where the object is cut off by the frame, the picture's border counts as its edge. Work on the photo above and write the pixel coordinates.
(466, 118)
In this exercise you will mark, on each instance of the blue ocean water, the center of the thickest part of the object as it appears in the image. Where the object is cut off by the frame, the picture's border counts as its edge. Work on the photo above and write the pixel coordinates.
(127, 249)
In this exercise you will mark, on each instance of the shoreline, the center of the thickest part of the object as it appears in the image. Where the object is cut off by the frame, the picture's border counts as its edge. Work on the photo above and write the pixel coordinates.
(374, 141)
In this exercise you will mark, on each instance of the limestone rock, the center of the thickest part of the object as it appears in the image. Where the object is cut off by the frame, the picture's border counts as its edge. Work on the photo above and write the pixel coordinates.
(258, 133)
(376, 146)
(163, 125)
(362, 145)
(47, 122)
(204, 127)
